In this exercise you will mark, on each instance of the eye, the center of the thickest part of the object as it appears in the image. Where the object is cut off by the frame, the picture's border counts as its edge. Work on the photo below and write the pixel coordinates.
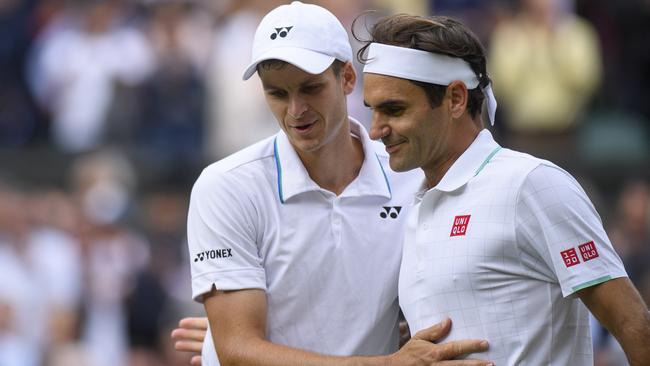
(312, 88)
(276, 93)
(393, 111)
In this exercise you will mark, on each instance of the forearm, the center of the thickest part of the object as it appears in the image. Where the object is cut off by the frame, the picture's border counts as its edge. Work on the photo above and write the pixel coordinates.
(260, 352)
(633, 335)
(619, 308)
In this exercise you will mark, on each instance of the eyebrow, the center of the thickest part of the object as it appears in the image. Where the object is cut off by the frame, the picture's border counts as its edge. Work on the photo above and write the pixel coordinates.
(311, 80)
(386, 104)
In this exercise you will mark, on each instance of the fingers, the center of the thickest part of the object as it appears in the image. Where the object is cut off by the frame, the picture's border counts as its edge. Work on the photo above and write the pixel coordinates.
(451, 350)
(434, 332)
(195, 361)
(194, 323)
(468, 362)
(188, 346)
(180, 334)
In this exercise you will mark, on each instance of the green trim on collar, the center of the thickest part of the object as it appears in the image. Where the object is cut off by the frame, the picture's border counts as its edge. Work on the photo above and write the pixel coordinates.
(487, 160)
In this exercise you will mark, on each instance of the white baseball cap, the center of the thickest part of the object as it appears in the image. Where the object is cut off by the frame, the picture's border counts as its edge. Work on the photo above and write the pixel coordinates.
(304, 35)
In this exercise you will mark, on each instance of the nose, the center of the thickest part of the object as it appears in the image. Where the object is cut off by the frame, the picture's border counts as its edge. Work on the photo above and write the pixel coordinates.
(378, 129)
(297, 107)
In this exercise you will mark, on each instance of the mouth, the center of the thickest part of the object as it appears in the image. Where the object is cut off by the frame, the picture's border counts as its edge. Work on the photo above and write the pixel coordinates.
(303, 128)
(392, 147)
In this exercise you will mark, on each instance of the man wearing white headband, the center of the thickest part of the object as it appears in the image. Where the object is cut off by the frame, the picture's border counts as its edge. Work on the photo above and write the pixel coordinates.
(295, 242)
(506, 244)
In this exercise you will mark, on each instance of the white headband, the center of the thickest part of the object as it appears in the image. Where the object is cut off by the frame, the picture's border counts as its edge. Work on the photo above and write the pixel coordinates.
(428, 67)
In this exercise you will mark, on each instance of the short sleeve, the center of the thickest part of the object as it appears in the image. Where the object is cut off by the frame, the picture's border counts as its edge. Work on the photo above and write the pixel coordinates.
(556, 220)
(221, 231)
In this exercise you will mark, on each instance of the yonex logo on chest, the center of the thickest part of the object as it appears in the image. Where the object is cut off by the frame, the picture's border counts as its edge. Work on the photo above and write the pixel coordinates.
(459, 227)
(282, 32)
(390, 211)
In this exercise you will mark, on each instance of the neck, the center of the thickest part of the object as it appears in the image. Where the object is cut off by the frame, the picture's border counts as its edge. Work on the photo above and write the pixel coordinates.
(459, 141)
(337, 164)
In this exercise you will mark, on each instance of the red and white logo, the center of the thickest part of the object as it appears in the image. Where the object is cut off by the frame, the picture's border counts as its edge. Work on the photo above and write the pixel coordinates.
(460, 225)
(570, 257)
(588, 251)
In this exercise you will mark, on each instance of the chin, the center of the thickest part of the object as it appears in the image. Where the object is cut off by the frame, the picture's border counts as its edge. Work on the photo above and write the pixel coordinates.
(402, 165)
(398, 166)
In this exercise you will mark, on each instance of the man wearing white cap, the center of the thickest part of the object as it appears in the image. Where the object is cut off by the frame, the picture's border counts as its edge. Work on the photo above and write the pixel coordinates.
(506, 244)
(295, 241)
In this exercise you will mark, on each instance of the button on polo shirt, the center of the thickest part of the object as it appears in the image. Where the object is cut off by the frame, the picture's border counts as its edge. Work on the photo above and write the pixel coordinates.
(500, 246)
(328, 263)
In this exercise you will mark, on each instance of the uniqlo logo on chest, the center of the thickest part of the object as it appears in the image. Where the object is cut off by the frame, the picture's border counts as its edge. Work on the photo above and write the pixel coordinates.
(570, 257)
(588, 251)
(460, 225)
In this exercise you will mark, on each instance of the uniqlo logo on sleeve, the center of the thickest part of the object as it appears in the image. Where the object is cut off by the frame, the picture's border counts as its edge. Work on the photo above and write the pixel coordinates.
(460, 225)
(588, 251)
(570, 257)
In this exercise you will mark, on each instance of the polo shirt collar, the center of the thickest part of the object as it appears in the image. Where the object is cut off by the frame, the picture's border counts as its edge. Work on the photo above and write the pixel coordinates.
(469, 164)
(293, 178)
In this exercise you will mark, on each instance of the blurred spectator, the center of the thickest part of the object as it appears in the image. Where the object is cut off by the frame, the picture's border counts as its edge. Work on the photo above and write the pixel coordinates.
(171, 127)
(546, 65)
(152, 307)
(623, 28)
(103, 183)
(630, 231)
(483, 15)
(237, 111)
(21, 313)
(79, 59)
(56, 263)
(19, 117)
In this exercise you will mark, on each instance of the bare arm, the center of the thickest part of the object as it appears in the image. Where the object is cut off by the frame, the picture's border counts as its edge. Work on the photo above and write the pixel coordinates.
(240, 317)
(619, 308)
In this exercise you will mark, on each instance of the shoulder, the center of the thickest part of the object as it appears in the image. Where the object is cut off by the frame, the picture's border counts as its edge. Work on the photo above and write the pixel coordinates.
(511, 167)
(541, 184)
(240, 170)
(528, 173)
(551, 183)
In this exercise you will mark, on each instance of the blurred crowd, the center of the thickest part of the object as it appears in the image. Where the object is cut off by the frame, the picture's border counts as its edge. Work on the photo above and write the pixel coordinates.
(109, 109)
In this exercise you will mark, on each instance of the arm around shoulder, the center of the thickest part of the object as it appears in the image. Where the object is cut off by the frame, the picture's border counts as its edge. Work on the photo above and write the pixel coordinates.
(619, 308)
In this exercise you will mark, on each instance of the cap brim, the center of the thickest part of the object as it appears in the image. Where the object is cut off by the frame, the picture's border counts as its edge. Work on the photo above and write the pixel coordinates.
(307, 60)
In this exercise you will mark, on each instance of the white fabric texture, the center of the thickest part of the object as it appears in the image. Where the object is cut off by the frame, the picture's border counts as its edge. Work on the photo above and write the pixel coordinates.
(500, 274)
(328, 263)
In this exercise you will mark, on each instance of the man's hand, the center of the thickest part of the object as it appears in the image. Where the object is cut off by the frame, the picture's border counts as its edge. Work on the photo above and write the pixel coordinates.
(189, 337)
(422, 349)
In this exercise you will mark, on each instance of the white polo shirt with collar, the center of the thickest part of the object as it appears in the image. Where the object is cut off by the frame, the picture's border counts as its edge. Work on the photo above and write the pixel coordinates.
(500, 245)
(329, 264)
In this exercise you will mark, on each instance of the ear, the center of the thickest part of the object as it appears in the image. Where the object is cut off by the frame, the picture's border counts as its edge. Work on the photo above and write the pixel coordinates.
(348, 77)
(458, 94)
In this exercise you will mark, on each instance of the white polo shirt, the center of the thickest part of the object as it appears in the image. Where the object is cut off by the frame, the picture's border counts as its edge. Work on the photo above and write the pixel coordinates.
(499, 246)
(329, 264)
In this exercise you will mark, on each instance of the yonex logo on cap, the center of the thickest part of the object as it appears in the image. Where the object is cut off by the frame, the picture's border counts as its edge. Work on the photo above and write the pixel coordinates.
(282, 32)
